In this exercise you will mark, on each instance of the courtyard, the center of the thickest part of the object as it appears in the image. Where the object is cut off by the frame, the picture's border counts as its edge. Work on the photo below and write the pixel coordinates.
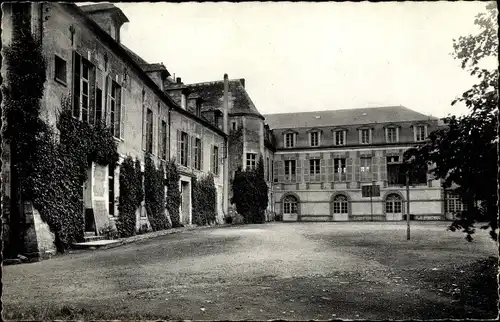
(292, 271)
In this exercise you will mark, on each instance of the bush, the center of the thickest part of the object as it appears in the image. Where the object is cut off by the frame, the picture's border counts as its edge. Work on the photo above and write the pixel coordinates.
(109, 232)
(154, 190)
(173, 194)
(143, 229)
(250, 194)
(128, 202)
(204, 200)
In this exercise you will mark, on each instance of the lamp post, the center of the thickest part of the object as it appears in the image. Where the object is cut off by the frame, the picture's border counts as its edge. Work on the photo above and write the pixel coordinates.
(408, 204)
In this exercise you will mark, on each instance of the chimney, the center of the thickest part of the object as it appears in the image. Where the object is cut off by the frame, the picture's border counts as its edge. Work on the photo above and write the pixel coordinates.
(179, 80)
(242, 81)
(109, 17)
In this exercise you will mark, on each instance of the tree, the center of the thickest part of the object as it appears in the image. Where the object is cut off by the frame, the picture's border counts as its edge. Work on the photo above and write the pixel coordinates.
(465, 151)
(250, 193)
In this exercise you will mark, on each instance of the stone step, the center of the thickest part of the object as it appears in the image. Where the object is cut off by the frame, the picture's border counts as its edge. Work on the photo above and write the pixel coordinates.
(103, 243)
(92, 238)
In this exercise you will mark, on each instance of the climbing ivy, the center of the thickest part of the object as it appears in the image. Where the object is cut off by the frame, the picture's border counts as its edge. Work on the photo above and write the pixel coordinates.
(154, 189)
(173, 193)
(204, 200)
(130, 197)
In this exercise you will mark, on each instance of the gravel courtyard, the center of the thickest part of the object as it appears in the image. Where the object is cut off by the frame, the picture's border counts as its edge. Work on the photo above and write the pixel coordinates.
(292, 271)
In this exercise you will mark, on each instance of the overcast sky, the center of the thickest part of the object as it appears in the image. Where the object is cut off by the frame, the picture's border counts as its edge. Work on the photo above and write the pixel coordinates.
(312, 56)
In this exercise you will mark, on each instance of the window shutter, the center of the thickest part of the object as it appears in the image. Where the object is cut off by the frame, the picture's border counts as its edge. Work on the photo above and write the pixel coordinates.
(375, 168)
(298, 170)
(212, 165)
(382, 168)
(193, 148)
(161, 154)
(307, 171)
(188, 149)
(178, 146)
(201, 154)
(155, 133)
(122, 112)
(144, 129)
(349, 169)
(92, 89)
(323, 169)
(76, 85)
(108, 100)
(280, 170)
(357, 168)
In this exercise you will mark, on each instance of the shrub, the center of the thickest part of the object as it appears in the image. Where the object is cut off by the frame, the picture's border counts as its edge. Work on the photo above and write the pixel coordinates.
(204, 200)
(250, 193)
(154, 190)
(129, 200)
(173, 194)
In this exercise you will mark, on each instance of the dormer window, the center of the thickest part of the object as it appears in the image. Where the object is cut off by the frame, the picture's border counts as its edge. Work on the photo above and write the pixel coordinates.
(339, 137)
(198, 108)
(392, 134)
(289, 140)
(365, 136)
(420, 133)
(314, 138)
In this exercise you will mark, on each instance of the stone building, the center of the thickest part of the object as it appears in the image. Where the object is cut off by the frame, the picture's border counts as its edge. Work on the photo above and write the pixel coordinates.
(107, 81)
(327, 162)
(249, 138)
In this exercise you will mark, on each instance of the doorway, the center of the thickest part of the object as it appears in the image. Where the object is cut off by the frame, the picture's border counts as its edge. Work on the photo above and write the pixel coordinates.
(185, 202)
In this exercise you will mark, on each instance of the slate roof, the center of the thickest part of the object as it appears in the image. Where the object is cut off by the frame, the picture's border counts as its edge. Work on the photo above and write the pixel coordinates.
(212, 94)
(345, 117)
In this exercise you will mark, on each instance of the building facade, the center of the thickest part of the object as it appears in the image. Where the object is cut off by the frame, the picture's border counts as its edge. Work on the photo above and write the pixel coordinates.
(326, 163)
(107, 81)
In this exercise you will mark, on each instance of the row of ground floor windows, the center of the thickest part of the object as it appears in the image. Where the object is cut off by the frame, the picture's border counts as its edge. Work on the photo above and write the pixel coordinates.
(393, 204)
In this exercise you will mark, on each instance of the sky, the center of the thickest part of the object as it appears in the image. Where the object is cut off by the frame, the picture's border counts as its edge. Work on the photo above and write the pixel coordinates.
(313, 56)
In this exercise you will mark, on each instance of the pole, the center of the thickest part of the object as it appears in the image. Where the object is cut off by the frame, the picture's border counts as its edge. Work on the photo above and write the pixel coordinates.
(407, 205)
(225, 202)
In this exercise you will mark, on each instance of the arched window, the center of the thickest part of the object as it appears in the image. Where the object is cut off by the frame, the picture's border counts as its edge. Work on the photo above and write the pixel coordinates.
(340, 205)
(290, 205)
(393, 204)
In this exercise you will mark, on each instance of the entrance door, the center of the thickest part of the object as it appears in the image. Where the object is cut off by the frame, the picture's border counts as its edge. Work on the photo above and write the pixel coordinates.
(185, 202)
(111, 188)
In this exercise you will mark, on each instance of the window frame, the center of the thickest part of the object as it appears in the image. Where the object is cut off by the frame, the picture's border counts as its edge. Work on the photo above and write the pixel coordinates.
(340, 205)
(184, 142)
(291, 141)
(339, 134)
(417, 133)
(314, 166)
(314, 136)
(149, 130)
(290, 167)
(215, 160)
(361, 136)
(251, 160)
(57, 67)
(388, 136)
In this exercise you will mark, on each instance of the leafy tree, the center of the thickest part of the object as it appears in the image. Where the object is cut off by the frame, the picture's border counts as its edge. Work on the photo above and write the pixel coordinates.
(173, 201)
(204, 200)
(154, 191)
(130, 197)
(465, 151)
(250, 193)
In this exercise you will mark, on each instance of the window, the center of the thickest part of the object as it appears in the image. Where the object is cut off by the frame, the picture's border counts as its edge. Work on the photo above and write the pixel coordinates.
(251, 160)
(395, 173)
(215, 158)
(393, 204)
(340, 205)
(149, 131)
(197, 154)
(453, 203)
(163, 131)
(289, 140)
(420, 133)
(60, 70)
(115, 111)
(289, 167)
(184, 149)
(268, 169)
(339, 165)
(340, 137)
(290, 205)
(391, 135)
(314, 136)
(82, 87)
(314, 166)
(419, 176)
(365, 168)
(234, 125)
(365, 136)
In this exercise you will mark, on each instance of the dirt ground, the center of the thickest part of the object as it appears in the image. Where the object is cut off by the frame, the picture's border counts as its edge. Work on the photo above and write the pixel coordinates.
(292, 271)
